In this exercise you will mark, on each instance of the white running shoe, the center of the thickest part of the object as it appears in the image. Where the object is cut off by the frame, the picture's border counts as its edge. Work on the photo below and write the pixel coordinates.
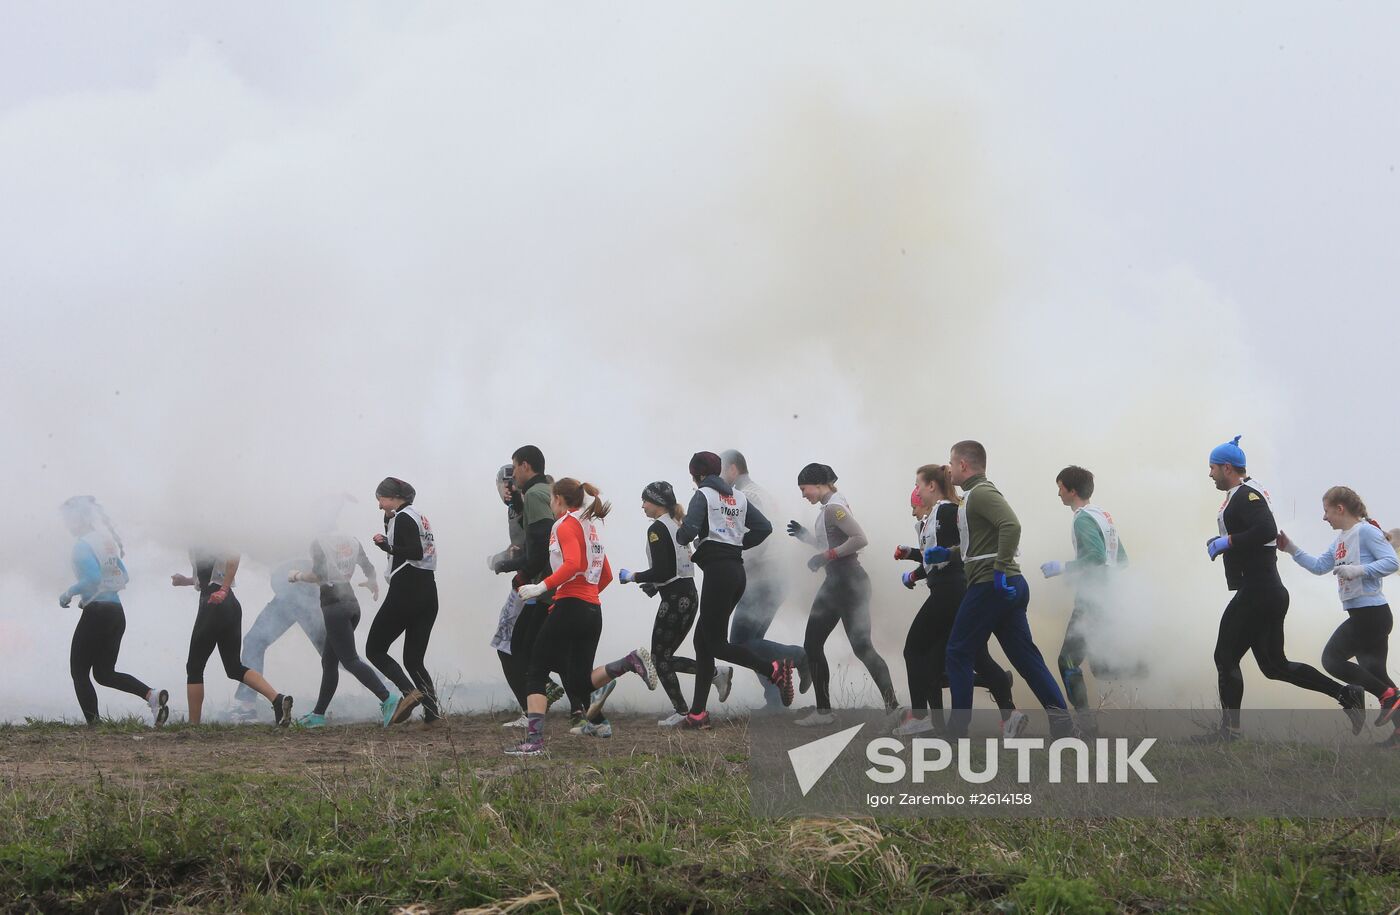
(724, 682)
(672, 720)
(522, 722)
(1015, 724)
(817, 718)
(913, 725)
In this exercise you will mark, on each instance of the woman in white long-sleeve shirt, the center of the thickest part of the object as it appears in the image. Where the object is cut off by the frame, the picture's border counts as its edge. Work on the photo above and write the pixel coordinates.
(1360, 557)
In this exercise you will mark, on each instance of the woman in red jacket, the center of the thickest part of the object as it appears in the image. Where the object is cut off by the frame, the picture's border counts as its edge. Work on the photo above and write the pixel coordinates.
(568, 638)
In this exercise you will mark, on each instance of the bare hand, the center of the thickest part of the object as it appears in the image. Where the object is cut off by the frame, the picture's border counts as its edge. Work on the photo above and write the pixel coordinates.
(180, 581)
(372, 587)
(380, 538)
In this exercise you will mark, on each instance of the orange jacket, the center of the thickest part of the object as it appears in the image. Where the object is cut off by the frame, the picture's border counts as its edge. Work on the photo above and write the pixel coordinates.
(563, 581)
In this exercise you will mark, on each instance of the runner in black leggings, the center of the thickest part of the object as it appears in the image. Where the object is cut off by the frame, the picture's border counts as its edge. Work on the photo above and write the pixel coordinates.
(411, 606)
(1360, 557)
(844, 595)
(1253, 620)
(724, 524)
(672, 575)
(219, 624)
(925, 648)
(97, 640)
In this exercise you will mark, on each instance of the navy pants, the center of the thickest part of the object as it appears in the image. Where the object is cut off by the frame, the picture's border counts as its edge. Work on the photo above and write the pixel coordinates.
(983, 613)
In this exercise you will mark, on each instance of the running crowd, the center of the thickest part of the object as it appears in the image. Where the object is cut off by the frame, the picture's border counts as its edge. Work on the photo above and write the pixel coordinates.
(965, 554)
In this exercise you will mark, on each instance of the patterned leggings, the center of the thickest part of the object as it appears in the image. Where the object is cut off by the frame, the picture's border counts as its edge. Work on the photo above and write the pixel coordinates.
(674, 617)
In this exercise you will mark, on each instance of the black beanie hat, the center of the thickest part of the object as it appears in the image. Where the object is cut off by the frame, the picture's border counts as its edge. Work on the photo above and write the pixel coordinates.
(704, 464)
(661, 494)
(394, 488)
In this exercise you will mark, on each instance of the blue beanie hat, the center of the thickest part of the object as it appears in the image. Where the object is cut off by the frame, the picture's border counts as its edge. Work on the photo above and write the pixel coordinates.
(1228, 453)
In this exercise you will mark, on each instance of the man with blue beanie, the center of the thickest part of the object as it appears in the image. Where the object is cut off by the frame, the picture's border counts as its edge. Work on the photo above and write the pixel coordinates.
(1253, 620)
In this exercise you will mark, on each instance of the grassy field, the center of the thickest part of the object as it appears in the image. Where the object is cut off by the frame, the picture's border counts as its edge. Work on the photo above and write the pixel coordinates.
(120, 818)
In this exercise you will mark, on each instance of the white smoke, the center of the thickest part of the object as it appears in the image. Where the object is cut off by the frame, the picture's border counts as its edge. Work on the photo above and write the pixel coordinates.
(247, 267)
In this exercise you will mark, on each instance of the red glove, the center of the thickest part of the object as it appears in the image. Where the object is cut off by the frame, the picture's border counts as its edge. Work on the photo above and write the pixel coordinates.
(218, 596)
(907, 552)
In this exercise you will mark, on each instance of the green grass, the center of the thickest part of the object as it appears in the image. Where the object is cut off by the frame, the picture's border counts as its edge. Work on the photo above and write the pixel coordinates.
(668, 833)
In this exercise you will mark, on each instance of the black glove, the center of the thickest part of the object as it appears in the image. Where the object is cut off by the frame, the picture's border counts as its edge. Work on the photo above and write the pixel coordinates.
(795, 529)
(648, 589)
(820, 559)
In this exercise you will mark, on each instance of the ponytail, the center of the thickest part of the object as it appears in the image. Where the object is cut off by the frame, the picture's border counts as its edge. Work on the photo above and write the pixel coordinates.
(678, 513)
(576, 495)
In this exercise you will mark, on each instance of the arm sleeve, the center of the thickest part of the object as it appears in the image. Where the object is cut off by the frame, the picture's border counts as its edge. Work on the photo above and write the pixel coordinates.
(575, 558)
(1259, 526)
(946, 528)
(362, 559)
(1386, 562)
(318, 561)
(88, 570)
(662, 556)
(513, 560)
(994, 509)
(855, 536)
(757, 528)
(1090, 550)
(408, 541)
(607, 577)
(536, 562)
(1320, 564)
(697, 522)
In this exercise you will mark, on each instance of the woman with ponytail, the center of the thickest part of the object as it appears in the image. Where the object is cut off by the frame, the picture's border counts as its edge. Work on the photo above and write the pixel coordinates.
(568, 638)
(672, 576)
(97, 640)
(1360, 557)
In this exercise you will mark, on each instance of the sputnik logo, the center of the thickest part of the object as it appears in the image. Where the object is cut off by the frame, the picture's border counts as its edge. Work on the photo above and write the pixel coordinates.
(811, 760)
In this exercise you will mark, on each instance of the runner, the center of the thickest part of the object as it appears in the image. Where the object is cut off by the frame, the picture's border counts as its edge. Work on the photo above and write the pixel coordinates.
(721, 521)
(333, 560)
(219, 624)
(411, 606)
(1098, 552)
(1360, 557)
(294, 603)
(671, 575)
(763, 590)
(935, 503)
(844, 595)
(511, 559)
(97, 639)
(1253, 620)
(568, 638)
(997, 594)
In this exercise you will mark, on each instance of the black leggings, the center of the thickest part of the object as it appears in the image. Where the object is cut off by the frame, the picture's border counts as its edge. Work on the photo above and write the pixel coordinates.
(1363, 636)
(409, 610)
(217, 626)
(844, 597)
(515, 664)
(1253, 621)
(96, 643)
(674, 617)
(723, 586)
(926, 652)
(342, 615)
(566, 644)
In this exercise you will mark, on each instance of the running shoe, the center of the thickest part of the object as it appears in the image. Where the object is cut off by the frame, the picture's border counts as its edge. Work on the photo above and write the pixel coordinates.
(526, 747)
(311, 720)
(598, 699)
(1353, 702)
(911, 725)
(593, 729)
(160, 705)
(816, 719)
(782, 679)
(553, 692)
(700, 722)
(724, 682)
(673, 720)
(640, 661)
(404, 709)
(243, 713)
(388, 707)
(522, 722)
(1015, 724)
(1390, 703)
(1219, 735)
(282, 710)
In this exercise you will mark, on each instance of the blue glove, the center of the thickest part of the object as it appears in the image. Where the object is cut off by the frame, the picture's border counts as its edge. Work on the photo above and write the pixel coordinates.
(795, 529)
(65, 599)
(1000, 583)
(1052, 568)
(624, 575)
(936, 554)
(909, 580)
(1217, 546)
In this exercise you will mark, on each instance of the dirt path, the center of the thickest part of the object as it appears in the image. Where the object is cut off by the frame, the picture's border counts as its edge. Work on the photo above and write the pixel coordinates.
(78, 753)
